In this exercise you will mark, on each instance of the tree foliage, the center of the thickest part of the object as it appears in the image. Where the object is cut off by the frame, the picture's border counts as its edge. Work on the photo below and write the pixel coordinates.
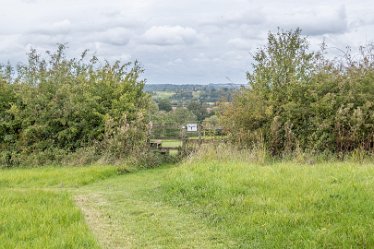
(199, 110)
(54, 105)
(297, 99)
(165, 105)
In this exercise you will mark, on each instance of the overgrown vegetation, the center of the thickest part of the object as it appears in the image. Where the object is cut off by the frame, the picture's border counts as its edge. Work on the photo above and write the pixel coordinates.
(54, 109)
(259, 203)
(57, 110)
(299, 100)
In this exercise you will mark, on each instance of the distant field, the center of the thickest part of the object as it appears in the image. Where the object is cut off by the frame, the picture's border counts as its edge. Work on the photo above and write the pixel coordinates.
(171, 143)
(164, 94)
(205, 203)
(196, 94)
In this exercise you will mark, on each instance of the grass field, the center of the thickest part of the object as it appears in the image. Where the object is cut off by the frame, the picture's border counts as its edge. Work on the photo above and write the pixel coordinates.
(171, 143)
(41, 219)
(279, 206)
(163, 94)
(202, 203)
(37, 209)
(54, 177)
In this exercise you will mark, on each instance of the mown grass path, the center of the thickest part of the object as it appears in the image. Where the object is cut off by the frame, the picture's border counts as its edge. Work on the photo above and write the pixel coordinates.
(123, 214)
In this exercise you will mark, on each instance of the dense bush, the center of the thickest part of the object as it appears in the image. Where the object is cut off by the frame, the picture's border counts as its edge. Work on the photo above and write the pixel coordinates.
(299, 100)
(53, 107)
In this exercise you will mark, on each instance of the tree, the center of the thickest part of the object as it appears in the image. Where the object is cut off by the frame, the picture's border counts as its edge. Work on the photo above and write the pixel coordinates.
(164, 105)
(299, 99)
(198, 109)
(279, 68)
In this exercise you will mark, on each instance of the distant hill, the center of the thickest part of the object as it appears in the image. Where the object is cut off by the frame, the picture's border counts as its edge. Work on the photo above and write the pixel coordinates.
(189, 87)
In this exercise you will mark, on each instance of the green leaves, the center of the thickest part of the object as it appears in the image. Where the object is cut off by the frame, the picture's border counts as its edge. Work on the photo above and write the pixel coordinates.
(298, 99)
(54, 102)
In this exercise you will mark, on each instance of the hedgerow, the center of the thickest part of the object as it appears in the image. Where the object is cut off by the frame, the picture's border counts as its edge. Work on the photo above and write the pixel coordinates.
(297, 99)
(52, 107)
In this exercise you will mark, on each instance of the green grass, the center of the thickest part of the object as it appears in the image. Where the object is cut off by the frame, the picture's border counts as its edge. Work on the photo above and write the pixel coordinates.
(208, 137)
(37, 212)
(205, 203)
(163, 94)
(283, 205)
(54, 177)
(41, 219)
(139, 219)
(171, 143)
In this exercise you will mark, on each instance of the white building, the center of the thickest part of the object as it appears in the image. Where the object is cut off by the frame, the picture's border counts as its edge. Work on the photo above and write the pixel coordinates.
(191, 127)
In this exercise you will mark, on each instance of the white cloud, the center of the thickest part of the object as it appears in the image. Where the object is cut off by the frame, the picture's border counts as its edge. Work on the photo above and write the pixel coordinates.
(29, 1)
(178, 41)
(170, 35)
(56, 28)
(117, 36)
(318, 21)
(240, 43)
(238, 17)
(248, 17)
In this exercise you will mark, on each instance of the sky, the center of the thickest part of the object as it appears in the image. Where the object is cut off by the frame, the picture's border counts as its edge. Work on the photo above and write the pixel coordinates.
(179, 41)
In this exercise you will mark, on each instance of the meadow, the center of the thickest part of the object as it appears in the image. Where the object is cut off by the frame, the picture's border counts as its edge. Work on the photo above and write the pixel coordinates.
(210, 201)
(37, 210)
(284, 205)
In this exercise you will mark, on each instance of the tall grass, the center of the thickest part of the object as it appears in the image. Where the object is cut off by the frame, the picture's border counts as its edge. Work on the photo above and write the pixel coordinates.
(265, 203)
(37, 212)
(54, 176)
(32, 219)
(260, 155)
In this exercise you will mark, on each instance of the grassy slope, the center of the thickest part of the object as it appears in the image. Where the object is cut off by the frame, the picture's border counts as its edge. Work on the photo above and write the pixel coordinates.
(223, 204)
(201, 204)
(36, 214)
(279, 206)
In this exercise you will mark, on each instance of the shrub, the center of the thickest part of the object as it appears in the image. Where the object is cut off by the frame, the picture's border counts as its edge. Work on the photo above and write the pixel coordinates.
(299, 100)
(53, 107)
